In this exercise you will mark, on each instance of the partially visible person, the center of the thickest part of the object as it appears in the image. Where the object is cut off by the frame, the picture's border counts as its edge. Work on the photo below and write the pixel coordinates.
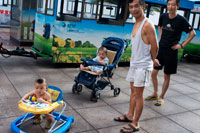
(171, 25)
(100, 58)
(144, 52)
(41, 96)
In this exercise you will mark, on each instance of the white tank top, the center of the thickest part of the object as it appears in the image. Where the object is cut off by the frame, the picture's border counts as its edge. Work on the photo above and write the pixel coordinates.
(141, 55)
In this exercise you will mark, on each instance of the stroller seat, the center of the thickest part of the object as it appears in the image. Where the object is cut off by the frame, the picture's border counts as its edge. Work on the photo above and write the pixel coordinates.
(97, 83)
(110, 56)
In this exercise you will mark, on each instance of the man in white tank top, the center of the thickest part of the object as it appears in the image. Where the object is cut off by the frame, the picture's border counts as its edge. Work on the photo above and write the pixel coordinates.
(144, 52)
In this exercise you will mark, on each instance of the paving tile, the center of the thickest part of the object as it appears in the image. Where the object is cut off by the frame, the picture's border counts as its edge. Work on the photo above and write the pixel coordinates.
(109, 98)
(22, 77)
(147, 113)
(162, 125)
(9, 108)
(80, 123)
(181, 79)
(188, 120)
(8, 91)
(28, 126)
(116, 129)
(99, 117)
(167, 108)
(194, 85)
(3, 79)
(195, 96)
(92, 131)
(183, 89)
(23, 88)
(82, 101)
(55, 76)
(196, 112)
(185, 102)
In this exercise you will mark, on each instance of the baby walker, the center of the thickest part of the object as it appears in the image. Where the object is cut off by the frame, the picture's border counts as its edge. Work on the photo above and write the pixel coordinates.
(32, 107)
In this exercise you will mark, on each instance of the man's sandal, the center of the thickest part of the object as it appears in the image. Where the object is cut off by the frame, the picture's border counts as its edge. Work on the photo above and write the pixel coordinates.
(151, 98)
(131, 129)
(159, 102)
(125, 119)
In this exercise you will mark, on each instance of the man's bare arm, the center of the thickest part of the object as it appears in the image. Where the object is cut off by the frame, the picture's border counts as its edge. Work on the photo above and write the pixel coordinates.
(160, 32)
(192, 34)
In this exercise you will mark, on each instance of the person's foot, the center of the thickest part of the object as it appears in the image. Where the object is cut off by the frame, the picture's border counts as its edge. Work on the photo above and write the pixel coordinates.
(48, 124)
(38, 120)
(159, 102)
(130, 128)
(81, 67)
(123, 118)
(151, 98)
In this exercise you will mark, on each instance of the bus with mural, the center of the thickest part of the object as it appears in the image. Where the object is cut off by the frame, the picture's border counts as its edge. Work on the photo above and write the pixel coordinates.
(68, 30)
(5, 13)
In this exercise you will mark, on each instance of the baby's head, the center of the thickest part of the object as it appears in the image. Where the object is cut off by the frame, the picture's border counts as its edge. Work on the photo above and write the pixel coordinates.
(102, 52)
(40, 86)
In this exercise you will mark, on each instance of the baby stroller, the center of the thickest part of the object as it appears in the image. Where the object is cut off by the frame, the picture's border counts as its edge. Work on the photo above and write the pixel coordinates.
(97, 83)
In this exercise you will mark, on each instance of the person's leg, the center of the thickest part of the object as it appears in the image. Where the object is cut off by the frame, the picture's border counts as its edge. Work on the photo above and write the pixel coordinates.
(130, 113)
(165, 85)
(132, 104)
(139, 105)
(84, 68)
(154, 77)
(49, 121)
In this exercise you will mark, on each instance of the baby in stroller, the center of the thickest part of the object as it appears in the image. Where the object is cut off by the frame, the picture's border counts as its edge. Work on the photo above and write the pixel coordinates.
(100, 58)
(97, 79)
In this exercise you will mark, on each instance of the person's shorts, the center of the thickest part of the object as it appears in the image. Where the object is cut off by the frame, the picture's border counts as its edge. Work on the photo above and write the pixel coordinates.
(168, 59)
(140, 77)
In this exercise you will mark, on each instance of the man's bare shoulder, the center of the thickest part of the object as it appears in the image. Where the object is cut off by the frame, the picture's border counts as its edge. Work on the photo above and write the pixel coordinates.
(148, 25)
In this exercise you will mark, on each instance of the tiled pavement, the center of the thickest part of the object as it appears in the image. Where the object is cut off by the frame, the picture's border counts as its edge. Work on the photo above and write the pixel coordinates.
(179, 114)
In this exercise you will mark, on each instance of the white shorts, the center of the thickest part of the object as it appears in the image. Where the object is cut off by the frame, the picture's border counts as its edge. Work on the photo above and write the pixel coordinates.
(140, 77)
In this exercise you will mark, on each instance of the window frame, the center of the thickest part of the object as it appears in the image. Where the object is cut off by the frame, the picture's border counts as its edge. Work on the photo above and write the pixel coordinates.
(114, 21)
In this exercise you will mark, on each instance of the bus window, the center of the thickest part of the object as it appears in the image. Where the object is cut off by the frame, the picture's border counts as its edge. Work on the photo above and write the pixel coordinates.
(154, 14)
(70, 10)
(50, 7)
(196, 21)
(130, 19)
(90, 9)
(15, 2)
(191, 18)
(41, 6)
(180, 12)
(5, 2)
(113, 12)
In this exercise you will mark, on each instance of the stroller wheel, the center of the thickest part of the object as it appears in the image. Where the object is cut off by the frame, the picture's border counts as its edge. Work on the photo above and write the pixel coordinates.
(116, 92)
(74, 88)
(79, 88)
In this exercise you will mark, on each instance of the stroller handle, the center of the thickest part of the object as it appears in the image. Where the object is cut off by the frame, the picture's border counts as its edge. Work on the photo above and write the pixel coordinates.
(90, 62)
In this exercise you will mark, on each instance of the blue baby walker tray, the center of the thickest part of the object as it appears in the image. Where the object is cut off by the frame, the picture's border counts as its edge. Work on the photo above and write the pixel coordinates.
(33, 108)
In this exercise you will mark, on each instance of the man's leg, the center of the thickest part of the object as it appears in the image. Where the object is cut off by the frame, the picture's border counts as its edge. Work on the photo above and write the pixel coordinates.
(139, 105)
(132, 102)
(154, 77)
(130, 113)
(165, 85)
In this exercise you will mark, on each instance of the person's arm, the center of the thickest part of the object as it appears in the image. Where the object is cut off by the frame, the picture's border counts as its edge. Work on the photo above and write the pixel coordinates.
(46, 100)
(187, 28)
(160, 32)
(26, 96)
(152, 39)
(192, 34)
(102, 62)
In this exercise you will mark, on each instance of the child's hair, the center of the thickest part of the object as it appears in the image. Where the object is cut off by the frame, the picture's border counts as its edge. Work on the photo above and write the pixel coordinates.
(40, 81)
(104, 49)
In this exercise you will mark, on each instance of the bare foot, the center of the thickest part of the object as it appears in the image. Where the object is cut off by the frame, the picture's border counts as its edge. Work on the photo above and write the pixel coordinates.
(81, 67)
